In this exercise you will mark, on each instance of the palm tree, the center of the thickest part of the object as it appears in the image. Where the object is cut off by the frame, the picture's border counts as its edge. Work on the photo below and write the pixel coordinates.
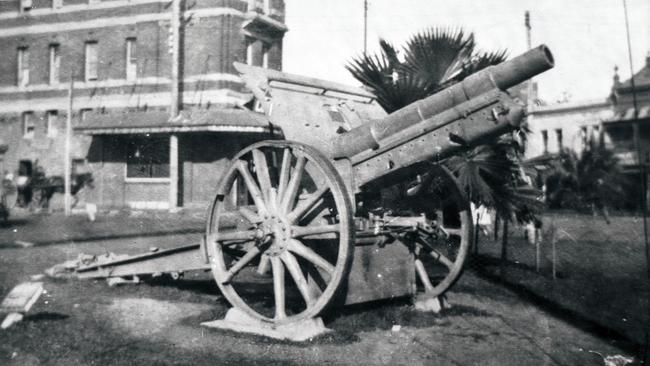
(492, 175)
(433, 60)
(591, 180)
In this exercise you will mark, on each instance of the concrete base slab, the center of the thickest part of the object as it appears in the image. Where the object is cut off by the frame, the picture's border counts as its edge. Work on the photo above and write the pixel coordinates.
(238, 321)
(431, 304)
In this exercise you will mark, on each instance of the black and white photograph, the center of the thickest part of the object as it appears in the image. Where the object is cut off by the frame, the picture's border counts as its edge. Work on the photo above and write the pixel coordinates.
(343, 182)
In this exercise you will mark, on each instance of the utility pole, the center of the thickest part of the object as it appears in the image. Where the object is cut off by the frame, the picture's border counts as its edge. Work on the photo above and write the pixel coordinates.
(67, 168)
(365, 27)
(529, 107)
(644, 183)
(175, 102)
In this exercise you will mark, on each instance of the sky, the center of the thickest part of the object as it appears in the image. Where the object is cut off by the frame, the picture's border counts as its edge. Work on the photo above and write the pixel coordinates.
(587, 37)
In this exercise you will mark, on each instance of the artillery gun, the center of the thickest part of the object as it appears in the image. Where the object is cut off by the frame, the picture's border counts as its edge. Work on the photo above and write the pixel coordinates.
(345, 204)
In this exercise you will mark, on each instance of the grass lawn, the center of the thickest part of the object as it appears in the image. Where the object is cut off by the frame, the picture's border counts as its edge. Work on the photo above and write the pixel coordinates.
(602, 275)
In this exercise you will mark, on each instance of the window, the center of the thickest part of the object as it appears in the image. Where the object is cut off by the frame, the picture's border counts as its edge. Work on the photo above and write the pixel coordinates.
(79, 166)
(131, 59)
(90, 71)
(250, 43)
(50, 123)
(57, 4)
(266, 48)
(83, 114)
(147, 157)
(595, 131)
(25, 5)
(28, 125)
(255, 5)
(545, 140)
(584, 136)
(558, 134)
(23, 66)
(55, 64)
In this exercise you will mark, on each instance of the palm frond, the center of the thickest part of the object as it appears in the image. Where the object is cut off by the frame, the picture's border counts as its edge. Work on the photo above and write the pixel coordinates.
(481, 61)
(390, 54)
(437, 54)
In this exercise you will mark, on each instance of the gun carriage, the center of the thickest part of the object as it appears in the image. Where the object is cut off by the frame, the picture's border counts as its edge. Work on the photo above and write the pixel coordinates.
(345, 204)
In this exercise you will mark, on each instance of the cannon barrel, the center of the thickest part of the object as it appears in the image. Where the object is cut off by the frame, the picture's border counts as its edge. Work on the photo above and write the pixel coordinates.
(501, 76)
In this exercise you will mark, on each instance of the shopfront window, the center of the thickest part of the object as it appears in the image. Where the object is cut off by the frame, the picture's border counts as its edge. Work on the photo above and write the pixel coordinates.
(147, 157)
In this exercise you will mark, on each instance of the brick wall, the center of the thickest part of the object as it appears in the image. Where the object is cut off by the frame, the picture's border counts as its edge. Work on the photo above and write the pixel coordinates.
(212, 39)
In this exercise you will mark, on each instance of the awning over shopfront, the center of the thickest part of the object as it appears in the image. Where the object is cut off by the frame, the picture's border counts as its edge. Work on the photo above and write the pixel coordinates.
(218, 120)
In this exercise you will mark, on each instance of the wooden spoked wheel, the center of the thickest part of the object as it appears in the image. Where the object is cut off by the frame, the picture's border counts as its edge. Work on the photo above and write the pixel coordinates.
(281, 207)
(439, 258)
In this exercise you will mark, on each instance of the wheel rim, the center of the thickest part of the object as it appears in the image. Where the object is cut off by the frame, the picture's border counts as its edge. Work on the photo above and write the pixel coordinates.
(289, 213)
(440, 258)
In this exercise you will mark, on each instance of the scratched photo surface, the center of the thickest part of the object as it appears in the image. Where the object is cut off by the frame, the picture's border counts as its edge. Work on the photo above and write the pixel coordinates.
(298, 182)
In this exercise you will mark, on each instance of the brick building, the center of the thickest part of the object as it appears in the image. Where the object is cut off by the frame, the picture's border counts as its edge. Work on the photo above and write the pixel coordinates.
(125, 57)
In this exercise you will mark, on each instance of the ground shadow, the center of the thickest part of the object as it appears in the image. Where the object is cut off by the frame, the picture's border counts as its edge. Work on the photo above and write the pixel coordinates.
(45, 316)
(486, 261)
(201, 286)
(13, 222)
(384, 314)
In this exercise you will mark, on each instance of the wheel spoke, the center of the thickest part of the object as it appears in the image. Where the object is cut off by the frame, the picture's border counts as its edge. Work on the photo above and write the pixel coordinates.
(263, 267)
(306, 205)
(241, 263)
(253, 189)
(300, 231)
(296, 273)
(307, 253)
(442, 259)
(278, 287)
(424, 277)
(289, 195)
(273, 199)
(249, 215)
(284, 172)
(262, 171)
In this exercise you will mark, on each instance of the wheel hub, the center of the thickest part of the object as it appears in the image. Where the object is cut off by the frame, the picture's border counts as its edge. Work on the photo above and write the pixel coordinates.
(279, 234)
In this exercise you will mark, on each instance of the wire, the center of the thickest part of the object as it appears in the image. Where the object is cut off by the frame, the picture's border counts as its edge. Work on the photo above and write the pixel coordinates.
(644, 204)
